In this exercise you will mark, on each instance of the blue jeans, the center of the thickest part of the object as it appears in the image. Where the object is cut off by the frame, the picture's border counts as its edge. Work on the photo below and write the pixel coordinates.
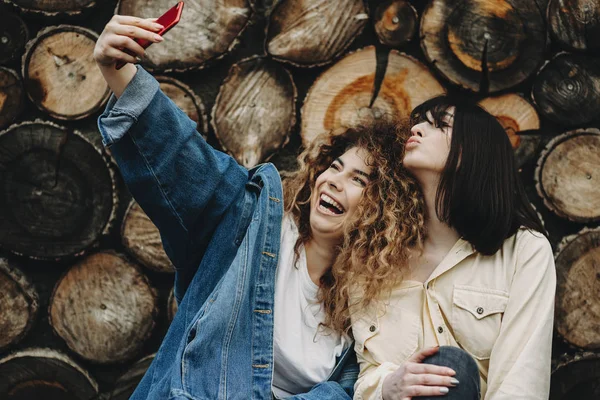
(466, 369)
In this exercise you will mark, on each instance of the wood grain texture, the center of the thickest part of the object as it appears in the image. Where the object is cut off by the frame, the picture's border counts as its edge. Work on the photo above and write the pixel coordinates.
(395, 22)
(567, 175)
(567, 89)
(340, 97)
(483, 45)
(126, 384)
(41, 373)
(60, 75)
(19, 303)
(186, 99)
(255, 110)
(308, 33)
(516, 115)
(12, 96)
(142, 240)
(207, 31)
(104, 308)
(575, 24)
(577, 310)
(13, 36)
(171, 306)
(576, 377)
(51, 8)
(58, 191)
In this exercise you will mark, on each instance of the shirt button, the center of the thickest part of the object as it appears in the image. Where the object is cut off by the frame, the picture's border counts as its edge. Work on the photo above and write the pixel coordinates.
(372, 328)
(440, 329)
(479, 310)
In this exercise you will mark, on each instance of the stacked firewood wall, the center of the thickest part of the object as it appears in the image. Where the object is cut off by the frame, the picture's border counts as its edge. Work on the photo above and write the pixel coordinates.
(85, 286)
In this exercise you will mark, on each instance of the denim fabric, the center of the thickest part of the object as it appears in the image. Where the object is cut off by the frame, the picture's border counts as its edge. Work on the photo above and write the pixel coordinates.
(220, 225)
(466, 370)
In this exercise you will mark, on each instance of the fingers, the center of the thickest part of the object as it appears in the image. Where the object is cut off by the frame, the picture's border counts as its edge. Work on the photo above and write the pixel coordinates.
(147, 23)
(416, 368)
(415, 391)
(420, 355)
(430, 380)
(120, 55)
(136, 33)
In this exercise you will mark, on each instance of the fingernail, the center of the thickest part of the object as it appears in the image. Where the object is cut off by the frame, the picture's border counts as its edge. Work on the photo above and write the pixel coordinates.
(158, 38)
(444, 390)
(454, 381)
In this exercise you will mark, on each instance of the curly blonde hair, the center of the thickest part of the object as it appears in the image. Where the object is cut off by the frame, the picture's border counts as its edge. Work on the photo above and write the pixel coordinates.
(387, 223)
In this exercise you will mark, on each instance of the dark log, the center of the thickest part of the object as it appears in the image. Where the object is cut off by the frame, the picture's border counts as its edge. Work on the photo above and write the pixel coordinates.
(44, 374)
(12, 96)
(575, 24)
(49, 8)
(171, 306)
(576, 377)
(126, 384)
(186, 99)
(142, 240)
(340, 97)
(481, 45)
(58, 191)
(577, 314)
(516, 115)
(255, 110)
(104, 308)
(307, 33)
(13, 36)
(395, 22)
(567, 175)
(60, 75)
(567, 89)
(18, 302)
(208, 30)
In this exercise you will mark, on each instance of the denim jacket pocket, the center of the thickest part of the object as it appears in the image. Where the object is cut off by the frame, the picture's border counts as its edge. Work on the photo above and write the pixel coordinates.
(477, 318)
(391, 335)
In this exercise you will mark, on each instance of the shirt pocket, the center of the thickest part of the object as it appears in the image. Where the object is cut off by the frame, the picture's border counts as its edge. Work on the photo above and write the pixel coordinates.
(388, 336)
(477, 318)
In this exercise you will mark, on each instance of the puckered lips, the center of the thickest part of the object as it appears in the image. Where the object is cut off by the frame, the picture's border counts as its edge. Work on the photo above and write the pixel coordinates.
(330, 206)
(412, 141)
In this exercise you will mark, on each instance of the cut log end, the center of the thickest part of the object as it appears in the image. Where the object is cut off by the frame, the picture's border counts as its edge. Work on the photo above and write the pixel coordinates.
(54, 8)
(13, 36)
(12, 96)
(567, 176)
(576, 377)
(395, 22)
(127, 383)
(104, 309)
(575, 24)
(60, 75)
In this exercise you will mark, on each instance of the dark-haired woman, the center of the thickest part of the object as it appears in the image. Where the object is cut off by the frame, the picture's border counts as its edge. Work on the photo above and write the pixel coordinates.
(481, 286)
(252, 256)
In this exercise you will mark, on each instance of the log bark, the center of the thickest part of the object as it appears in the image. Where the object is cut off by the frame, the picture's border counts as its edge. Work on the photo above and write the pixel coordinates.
(18, 302)
(567, 175)
(47, 374)
(13, 36)
(12, 96)
(567, 89)
(208, 30)
(58, 191)
(307, 33)
(126, 384)
(575, 24)
(104, 308)
(341, 96)
(142, 240)
(60, 75)
(255, 110)
(51, 8)
(577, 311)
(171, 306)
(483, 46)
(186, 99)
(395, 22)
(516, 115)
(576, 377)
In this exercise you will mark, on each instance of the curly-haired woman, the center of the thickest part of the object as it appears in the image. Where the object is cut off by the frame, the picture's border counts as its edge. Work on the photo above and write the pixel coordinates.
(481, 285)
(253, 258)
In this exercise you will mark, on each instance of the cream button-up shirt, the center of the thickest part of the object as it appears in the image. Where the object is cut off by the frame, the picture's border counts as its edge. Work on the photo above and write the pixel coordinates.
(498, 308)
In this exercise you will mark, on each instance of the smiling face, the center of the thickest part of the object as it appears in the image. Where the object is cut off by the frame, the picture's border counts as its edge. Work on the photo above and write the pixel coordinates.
(337, 193)
(429, 145)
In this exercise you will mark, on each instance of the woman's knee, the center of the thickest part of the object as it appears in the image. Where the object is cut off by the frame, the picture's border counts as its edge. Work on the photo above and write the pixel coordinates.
(466, 370)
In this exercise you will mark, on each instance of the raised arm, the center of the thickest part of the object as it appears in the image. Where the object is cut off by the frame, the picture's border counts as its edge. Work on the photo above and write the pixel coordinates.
(183, 184)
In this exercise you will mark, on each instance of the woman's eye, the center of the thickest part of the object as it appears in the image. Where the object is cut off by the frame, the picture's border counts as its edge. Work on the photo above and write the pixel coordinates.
(335, 166)
(360, 181)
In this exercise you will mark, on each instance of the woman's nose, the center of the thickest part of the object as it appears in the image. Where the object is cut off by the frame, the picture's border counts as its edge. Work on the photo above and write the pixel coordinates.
(416, 130)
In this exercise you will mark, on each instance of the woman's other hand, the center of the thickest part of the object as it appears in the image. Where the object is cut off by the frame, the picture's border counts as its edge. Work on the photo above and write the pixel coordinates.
(118, 37)
(413, 378)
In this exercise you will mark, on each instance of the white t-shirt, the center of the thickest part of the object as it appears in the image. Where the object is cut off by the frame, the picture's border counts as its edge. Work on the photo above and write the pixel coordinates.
(304, 353)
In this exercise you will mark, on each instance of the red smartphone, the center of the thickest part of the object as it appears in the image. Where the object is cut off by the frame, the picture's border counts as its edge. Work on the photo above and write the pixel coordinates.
(167, 20)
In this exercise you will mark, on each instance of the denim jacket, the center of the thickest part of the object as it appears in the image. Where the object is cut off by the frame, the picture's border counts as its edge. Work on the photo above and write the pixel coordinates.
(220, 225)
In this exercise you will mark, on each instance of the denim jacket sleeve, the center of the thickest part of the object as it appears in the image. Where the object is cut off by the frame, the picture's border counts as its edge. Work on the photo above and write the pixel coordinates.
(182, 183)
